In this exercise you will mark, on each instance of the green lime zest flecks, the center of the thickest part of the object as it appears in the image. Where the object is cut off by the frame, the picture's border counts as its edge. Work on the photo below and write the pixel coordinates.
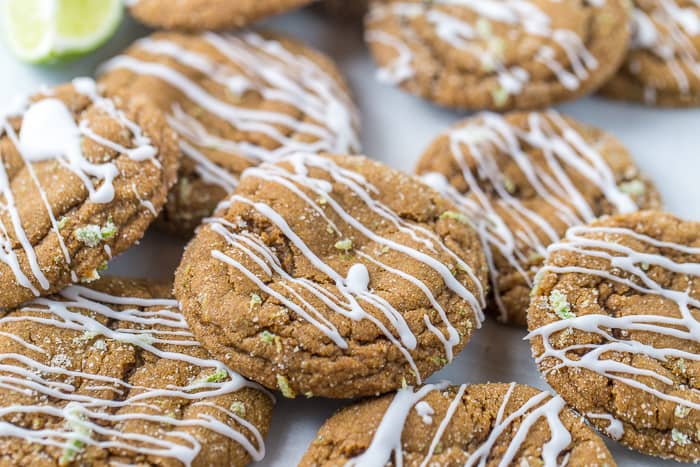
(560, 305)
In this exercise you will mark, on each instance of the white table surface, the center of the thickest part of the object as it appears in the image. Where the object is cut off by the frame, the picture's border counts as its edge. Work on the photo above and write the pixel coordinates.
(397, 127)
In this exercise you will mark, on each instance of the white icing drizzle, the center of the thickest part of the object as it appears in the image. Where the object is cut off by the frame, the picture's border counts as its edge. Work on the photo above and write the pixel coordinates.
(49, 132)
(95, 416)
(473, 146)
(387, 438)
(615, 429)
(253, 63)
(466, 37)
(351, 293)
(630, 268)
(667, 31)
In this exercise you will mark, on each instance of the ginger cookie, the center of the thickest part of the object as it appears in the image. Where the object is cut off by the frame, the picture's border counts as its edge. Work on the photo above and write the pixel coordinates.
(333, 276)
(211, 15)
(522, 179)
(663, 63)
(438, 424)
(236, 101)
(110, 375)
(498, 55)
(82, 177)
(614, 328)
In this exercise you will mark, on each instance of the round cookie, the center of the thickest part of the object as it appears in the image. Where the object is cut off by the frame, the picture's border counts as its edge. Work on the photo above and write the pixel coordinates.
(333, 276)
(81, 178)
(498, 55)
(199, 15)
(663, 64)
(614, 328)
(437, 424)
(522, 179)
(235, 100)
(110, 375)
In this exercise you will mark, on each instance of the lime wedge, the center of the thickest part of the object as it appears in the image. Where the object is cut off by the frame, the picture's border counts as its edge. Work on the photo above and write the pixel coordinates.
(44, 31)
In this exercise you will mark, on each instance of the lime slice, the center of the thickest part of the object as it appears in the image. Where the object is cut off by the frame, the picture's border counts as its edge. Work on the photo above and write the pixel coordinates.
(43, 31)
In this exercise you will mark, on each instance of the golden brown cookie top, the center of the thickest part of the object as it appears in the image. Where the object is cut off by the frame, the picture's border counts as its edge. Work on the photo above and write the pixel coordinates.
(663, 64)
(236, 101)
(110, 374)
(82, 177)
(499, 55)
(211, 15)
(522, 179)
(333, 276)
(437, 424)
(614, 326)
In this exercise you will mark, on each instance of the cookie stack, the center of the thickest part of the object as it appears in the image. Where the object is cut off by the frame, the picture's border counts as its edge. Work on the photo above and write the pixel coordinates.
(316, 272)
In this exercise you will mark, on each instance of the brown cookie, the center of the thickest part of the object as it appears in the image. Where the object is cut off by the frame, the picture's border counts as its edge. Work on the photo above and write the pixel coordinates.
(351, 11)
(235, 100)
(498, 55)
(522, 179)
(110, 375)
(663, 64)
(333, 276)
(614, 326)
(82, 176)
(441, 425)
(198, 15)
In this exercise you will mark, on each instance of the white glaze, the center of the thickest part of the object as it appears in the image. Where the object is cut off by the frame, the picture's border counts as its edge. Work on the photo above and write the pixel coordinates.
(134, 327)
(49, 132)
(631, 268)
(250, 63)
(466, 37)
(473, 146)
(351, 295)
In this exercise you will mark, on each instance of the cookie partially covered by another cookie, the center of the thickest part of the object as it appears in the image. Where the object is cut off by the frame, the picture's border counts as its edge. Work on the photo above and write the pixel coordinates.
(498, 55)
(110, 375)
(522, 179)
(438, 424)
(81, 178)
(334, 276)
(210, 15)
(615, 329)
(663, 64)
(236, 101)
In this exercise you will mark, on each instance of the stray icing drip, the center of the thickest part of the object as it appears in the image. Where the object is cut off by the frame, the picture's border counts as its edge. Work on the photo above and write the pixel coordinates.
(668, 32)
(89, 418)
(615, 429)
(351, 294)
(631, 268)
(466, 37)
(253, 64)
(49, 132)
(472, 146)
(387, 438)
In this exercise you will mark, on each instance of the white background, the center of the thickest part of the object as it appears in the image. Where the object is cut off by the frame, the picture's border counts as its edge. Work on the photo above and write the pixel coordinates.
(397, 127)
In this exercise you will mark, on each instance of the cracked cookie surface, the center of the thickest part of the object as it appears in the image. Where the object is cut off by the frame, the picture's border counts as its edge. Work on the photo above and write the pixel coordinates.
(614, 328)
(498, 55)
(522, 179)
(235, 100)
(110, 374)
(199, 15)
(333, 276)
(484, 424)
(82, 177)
(662, 66)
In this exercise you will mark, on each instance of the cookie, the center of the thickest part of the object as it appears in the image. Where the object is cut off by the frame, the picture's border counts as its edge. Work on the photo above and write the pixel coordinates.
(82, 177)
(614, 328)
(235, 100)
(333, 276)
(522, 179)
(437, 424)
(199, 15)
(110, 375)
(663, 64)
(498, 55)
(351, 11)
